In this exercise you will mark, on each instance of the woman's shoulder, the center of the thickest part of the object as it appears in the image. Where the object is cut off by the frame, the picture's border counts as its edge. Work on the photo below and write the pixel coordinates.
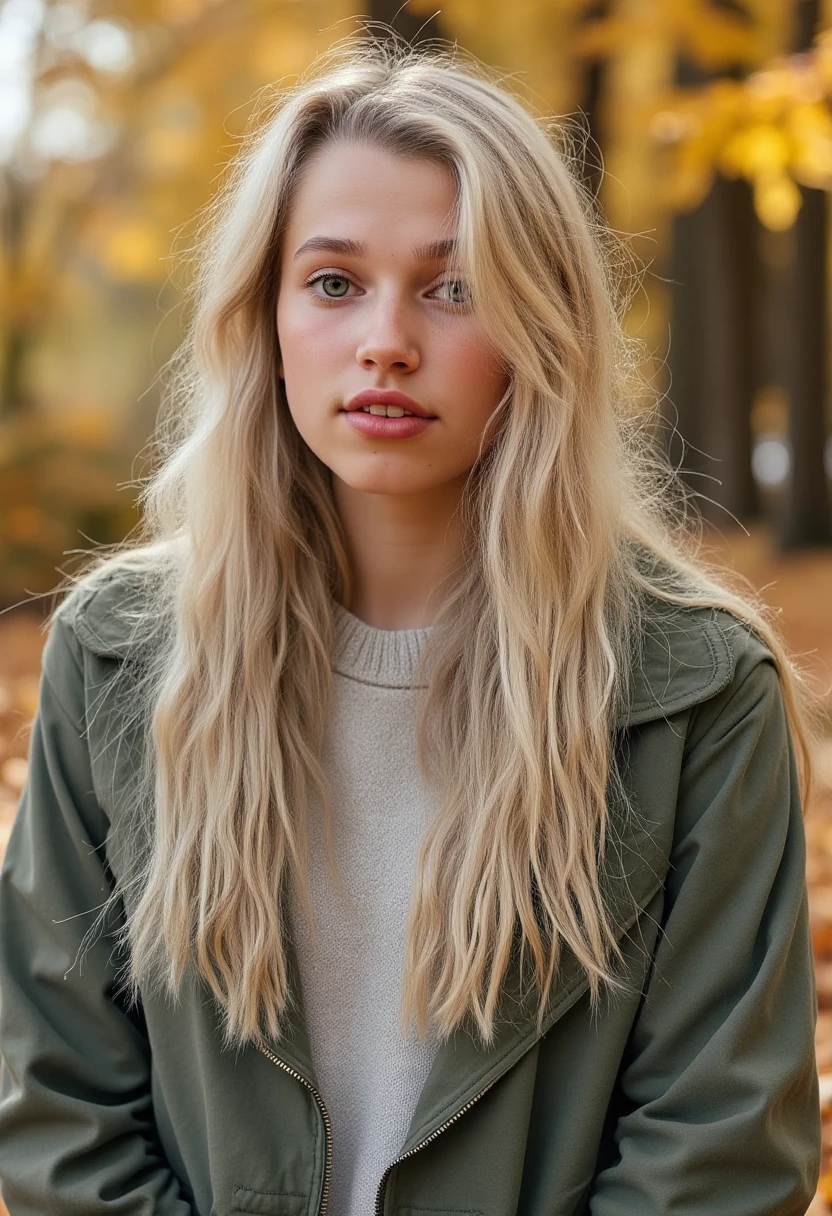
(115, 610)
(690, 653)
(685, 653)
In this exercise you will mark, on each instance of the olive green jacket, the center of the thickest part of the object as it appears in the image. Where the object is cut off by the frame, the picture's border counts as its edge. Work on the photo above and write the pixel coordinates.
(694, 1093)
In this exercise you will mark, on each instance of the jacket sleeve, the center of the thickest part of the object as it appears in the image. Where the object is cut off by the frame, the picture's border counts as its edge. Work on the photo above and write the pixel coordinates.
(76, 1121)
(718, 1082)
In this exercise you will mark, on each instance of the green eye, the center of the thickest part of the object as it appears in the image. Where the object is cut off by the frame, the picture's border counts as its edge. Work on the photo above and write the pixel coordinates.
(458, 289)
(337, 278)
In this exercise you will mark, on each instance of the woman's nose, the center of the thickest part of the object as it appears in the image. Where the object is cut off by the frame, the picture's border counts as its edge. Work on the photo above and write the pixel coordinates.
(388, 340)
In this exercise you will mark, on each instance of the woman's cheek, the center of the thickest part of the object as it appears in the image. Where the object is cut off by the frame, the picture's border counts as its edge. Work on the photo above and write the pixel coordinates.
(322, 339)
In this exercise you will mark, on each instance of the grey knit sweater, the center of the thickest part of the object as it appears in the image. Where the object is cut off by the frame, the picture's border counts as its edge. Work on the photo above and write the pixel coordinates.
(369, 1073)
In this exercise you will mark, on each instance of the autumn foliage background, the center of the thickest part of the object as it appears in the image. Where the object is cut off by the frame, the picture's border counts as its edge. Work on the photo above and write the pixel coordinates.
(707, 130)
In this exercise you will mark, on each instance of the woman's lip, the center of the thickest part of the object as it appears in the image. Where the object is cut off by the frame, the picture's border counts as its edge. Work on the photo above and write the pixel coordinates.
(381, 396)
(379, 426)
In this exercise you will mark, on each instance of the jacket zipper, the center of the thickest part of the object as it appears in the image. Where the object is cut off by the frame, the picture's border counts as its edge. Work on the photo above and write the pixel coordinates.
(382, 1186)
(327, 1123)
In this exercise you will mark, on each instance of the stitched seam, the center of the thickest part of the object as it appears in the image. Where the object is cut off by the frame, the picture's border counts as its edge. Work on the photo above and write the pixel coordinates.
(347, 675)
(443, 1211)
(687, 700)
(676, 701)
(769, 659)
(247, 1190)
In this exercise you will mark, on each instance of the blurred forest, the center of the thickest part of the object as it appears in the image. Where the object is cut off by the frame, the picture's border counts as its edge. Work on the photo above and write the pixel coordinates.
(711, 120)
(707, 127)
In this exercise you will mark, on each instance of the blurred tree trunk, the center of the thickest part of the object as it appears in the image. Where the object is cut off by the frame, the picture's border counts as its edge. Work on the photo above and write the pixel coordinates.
(589, 104)
(729, 364)
(714, 350)
(806, 515)
(413, 28)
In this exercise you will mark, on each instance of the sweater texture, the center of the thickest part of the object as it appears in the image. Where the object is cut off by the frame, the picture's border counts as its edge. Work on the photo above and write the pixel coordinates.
(369, 1073)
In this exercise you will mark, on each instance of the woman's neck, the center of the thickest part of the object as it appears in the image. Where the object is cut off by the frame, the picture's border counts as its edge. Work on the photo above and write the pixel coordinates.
(401, 548)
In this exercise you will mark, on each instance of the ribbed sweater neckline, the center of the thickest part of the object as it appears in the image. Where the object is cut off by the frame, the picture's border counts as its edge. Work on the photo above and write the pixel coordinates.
(384, 657)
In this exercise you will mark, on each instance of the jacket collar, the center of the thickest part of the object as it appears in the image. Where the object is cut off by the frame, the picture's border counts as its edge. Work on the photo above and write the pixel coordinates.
(685, 657)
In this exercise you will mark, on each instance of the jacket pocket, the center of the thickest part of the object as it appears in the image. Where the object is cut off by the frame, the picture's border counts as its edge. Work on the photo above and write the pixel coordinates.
(246, 1202)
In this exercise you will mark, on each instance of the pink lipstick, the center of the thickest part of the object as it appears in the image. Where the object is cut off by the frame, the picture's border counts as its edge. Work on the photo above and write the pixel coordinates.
(379, 426)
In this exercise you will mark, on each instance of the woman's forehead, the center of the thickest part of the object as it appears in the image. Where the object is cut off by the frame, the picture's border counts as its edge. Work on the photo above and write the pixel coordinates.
(371, 198)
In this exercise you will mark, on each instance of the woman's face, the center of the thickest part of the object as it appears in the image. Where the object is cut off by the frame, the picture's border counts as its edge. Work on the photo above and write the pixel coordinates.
(382, 314)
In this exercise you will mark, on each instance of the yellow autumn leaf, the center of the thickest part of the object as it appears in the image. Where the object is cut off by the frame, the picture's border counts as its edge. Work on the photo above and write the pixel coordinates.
(812, 166)
(133, 251)
(725, 99)
(810, 127)
(777, 201)
(823, 57)
(807, 83)
(717, 43)
(756, 151)
(809, 121)
(772, 83)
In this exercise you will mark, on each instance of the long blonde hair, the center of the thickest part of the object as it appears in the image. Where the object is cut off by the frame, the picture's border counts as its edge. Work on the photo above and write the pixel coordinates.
(530, 655)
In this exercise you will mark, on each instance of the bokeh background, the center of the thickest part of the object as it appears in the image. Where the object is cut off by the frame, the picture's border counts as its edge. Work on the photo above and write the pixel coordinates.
(704, 128)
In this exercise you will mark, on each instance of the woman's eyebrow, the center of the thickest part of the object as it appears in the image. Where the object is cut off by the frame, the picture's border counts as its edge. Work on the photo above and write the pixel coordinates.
(430, 252)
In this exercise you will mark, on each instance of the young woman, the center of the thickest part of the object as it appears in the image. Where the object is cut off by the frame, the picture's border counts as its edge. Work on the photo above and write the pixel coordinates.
(413, 823)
